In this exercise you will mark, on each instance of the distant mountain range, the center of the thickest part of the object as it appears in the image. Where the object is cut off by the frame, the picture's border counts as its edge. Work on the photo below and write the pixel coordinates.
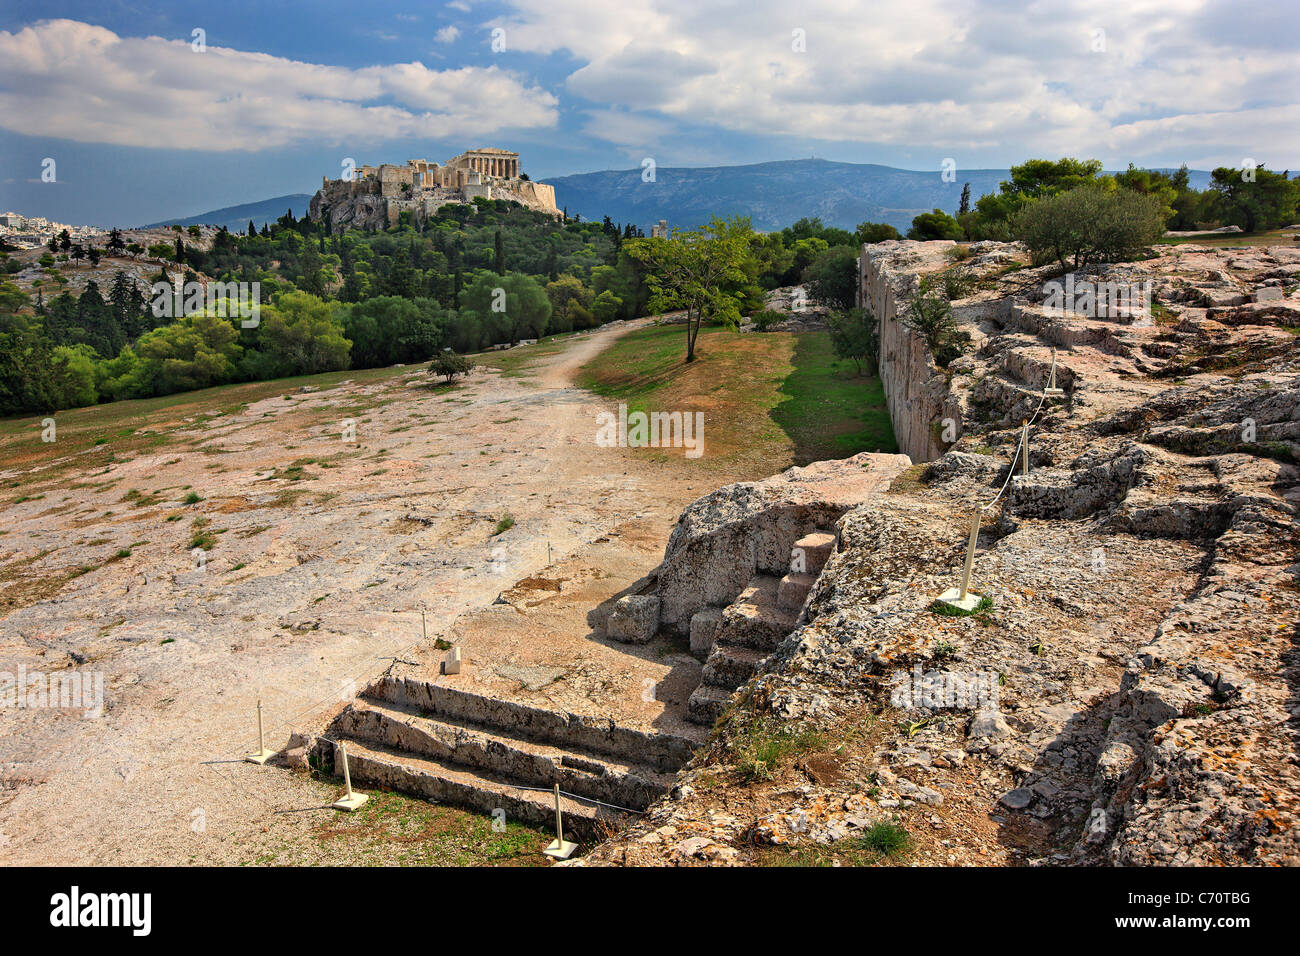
(235, 218)
(774, 195)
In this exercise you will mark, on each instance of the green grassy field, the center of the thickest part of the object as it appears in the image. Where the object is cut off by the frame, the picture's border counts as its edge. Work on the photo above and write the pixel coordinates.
(1236, 240)
(772, 399)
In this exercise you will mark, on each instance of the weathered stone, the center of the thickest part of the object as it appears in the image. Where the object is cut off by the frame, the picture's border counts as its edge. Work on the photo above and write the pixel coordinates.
(793, 590)
(1017, 799)
(634, 619)
(728, 536)
(704, 629)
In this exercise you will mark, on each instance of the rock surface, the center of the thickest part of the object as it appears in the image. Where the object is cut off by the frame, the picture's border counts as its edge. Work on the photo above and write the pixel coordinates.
(1128, 694)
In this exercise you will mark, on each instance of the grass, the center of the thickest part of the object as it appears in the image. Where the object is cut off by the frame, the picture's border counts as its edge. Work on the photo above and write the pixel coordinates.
(887, 838)
(885, 841)
(947, 610)
(1234, 240)
(771, 399)
(514, 362)
(763, 745)
(505, 524)
(391, 829)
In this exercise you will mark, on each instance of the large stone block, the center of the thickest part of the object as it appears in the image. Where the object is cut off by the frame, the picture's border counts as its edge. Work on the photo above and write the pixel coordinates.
(635, 619)
(728, 536)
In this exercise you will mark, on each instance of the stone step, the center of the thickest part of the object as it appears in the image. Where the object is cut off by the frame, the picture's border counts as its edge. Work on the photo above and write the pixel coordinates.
(707, 704)
(377, 767)
(1002, 393)
(730, 665)
(568, 732)
(756, 619)
(509, 756)
(793, 590)
(704, 630)
(811, 552)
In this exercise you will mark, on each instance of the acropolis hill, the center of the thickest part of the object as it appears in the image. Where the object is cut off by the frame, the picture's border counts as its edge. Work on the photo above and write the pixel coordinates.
(376, 196)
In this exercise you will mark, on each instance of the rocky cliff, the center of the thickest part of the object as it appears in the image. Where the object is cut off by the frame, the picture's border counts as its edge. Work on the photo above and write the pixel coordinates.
(1127, 690)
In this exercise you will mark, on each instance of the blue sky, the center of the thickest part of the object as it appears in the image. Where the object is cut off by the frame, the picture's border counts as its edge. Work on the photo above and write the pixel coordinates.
(142, 125)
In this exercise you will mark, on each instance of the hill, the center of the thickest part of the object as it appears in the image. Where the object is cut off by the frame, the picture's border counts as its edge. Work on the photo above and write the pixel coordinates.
(235, 218)
(776, 194)
(773, 195)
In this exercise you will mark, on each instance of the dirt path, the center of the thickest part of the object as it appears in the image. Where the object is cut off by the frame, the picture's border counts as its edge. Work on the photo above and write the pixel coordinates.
(325, 548)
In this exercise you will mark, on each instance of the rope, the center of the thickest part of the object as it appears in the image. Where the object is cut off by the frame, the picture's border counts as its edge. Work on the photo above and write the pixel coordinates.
(1016, 457)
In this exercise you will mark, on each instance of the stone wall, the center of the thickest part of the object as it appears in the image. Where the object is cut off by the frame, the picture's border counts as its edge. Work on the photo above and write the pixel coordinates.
(916, 390)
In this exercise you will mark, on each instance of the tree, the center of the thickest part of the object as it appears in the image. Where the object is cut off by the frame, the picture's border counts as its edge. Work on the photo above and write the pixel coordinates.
(298, 336)
(1090, 224)
(869, 232)
(388, 329)
(1267, 201)
(854, 336)
(564, 293)
(695, 270)
(935, 225)
(499, 256)
(963, 205)
(504, 308)
(448, 365)
(252, 229)
(832, 278)
(1035, 179)
(115, 240)
(128, 305)
(195, 352)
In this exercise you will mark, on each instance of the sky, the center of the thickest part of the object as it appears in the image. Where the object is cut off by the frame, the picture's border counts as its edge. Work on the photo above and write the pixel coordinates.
(141, 111)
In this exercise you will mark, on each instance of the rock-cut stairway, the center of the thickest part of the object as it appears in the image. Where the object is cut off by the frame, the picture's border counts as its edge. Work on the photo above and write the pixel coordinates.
(485, 754)
(741, 636)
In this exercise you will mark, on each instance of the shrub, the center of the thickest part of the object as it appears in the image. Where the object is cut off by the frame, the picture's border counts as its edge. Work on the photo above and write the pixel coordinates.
(929, 314)
(766, 319)
(832, 277)
(957, 282)
(1089, 224)
(854, 336)
(887, 838)
(869, 232)
(448, 364)
(936, 225)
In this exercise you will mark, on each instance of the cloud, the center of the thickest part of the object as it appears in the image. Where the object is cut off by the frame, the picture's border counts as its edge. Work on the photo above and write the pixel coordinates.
(71, 80)
(1150, 77)
(447, 34)
(636, 132)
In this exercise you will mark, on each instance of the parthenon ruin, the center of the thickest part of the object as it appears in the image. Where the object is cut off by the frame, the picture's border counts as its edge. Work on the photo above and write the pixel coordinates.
(490, 161)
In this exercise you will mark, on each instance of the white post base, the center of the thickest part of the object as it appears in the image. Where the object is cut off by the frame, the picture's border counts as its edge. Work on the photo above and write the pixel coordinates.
(1053, 392)
(560, 849)
(968, 603)
(352, 801)
(261, 757)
